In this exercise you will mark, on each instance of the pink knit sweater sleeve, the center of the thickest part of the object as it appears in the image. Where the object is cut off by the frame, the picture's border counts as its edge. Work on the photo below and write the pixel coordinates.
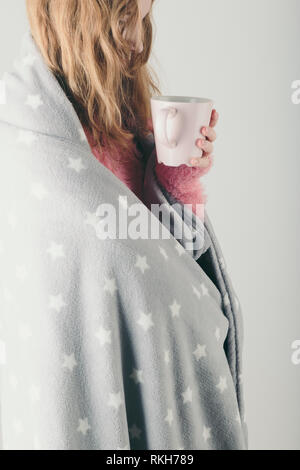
(184, 184)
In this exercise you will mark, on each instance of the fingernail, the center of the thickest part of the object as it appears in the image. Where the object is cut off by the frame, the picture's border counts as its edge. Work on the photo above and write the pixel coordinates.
(200, 142)
(204, 130)
(193, 161)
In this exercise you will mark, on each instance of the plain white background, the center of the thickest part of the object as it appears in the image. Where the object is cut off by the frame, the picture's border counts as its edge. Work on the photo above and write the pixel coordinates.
(243, 54)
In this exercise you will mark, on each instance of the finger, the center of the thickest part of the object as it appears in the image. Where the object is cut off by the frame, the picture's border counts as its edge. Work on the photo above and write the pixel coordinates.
(209, 133)
(205, 145)
(214, 118)
(201, 162)
(206, 154)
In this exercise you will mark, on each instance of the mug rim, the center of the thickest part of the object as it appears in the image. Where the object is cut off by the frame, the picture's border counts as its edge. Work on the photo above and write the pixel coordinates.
(181, 99)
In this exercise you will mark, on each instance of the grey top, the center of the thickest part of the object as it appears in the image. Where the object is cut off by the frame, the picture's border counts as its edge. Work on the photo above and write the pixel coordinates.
(104, 344)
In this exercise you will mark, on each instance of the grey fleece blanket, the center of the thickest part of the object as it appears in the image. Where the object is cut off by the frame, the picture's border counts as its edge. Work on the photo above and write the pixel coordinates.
(115, 343)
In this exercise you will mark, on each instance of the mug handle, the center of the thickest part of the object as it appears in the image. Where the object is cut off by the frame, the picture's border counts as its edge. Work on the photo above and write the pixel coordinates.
(161, 126)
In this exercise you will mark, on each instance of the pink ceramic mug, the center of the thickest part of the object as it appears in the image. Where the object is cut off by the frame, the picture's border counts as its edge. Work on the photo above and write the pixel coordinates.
(177, 121)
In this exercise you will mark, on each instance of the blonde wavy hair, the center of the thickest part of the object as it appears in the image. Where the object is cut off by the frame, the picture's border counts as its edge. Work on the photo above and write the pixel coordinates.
(84, 43)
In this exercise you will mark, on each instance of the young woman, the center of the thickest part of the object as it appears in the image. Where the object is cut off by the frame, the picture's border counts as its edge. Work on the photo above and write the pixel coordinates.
(119, 342)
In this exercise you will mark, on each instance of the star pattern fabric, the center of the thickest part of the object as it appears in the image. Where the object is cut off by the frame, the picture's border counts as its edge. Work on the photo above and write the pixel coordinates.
(104, 344)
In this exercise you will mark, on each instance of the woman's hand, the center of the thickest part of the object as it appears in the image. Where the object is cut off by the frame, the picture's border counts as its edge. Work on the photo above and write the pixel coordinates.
(206, 144)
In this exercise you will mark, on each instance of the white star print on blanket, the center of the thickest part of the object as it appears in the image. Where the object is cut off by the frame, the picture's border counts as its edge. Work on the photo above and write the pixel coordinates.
(104, 344)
